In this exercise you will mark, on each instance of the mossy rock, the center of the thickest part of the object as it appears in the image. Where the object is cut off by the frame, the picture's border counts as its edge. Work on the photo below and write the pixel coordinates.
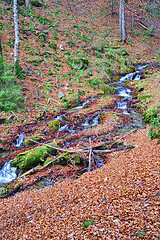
(81, 92)
(67, 102)
(110, 56)
(133, 69)
(54, 125)
(76, 61)
(53, 46)
(4, 192)
(33, 157)
(46, 54)
(94, 82)
(67, 159)
(123, 52)
(36, 3)
(100, 93)
(107, 89)
(109, 72)
(77, 159)
(42, 36)
(28, 141)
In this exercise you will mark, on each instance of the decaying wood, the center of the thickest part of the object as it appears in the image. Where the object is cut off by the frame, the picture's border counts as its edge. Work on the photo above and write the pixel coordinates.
(85, 150)
(142, 25)
(15, 115)
(39, 167)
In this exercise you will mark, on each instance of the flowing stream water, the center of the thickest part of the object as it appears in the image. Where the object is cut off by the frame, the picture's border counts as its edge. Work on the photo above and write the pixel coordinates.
(7, 174)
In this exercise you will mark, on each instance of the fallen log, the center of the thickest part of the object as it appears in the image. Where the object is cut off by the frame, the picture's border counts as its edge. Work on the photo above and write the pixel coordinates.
(85, 150)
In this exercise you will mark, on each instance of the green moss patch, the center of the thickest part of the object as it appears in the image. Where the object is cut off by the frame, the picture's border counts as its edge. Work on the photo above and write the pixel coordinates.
(32, 158)
(30, 141)
(76, 61)
(54, 125)
(35, 61)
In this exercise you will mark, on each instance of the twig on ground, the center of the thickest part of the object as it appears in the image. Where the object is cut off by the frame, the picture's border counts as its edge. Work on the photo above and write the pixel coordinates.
(51, 99)
(44, 105)
(15, 115)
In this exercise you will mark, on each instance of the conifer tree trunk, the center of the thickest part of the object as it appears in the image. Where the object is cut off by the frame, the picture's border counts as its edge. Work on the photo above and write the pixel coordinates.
(112, 6)
(153, 9)
(122, 21)
(16, 27)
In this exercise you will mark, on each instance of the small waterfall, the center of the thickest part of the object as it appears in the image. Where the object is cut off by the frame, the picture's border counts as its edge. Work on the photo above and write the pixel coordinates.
(19, 141)
(7, 173)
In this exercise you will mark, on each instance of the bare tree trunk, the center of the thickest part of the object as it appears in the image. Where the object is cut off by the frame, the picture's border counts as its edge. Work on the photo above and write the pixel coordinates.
(16, 44)
(122, 21)
(1, 61)
(153, 9)
(28, 3)
(132, 18)
(112, 6)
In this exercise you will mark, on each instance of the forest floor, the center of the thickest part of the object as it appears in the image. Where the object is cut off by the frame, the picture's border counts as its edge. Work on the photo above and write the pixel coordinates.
(120, 199)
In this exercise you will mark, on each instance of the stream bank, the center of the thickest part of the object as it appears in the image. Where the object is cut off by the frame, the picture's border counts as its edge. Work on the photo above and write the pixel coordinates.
(79, 123)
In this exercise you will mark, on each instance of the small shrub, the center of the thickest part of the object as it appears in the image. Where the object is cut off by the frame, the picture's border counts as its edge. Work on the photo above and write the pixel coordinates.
(87, 223)
(154, 131)
(54, 125)
(18, 71)
(10, 94)
(150, 114)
